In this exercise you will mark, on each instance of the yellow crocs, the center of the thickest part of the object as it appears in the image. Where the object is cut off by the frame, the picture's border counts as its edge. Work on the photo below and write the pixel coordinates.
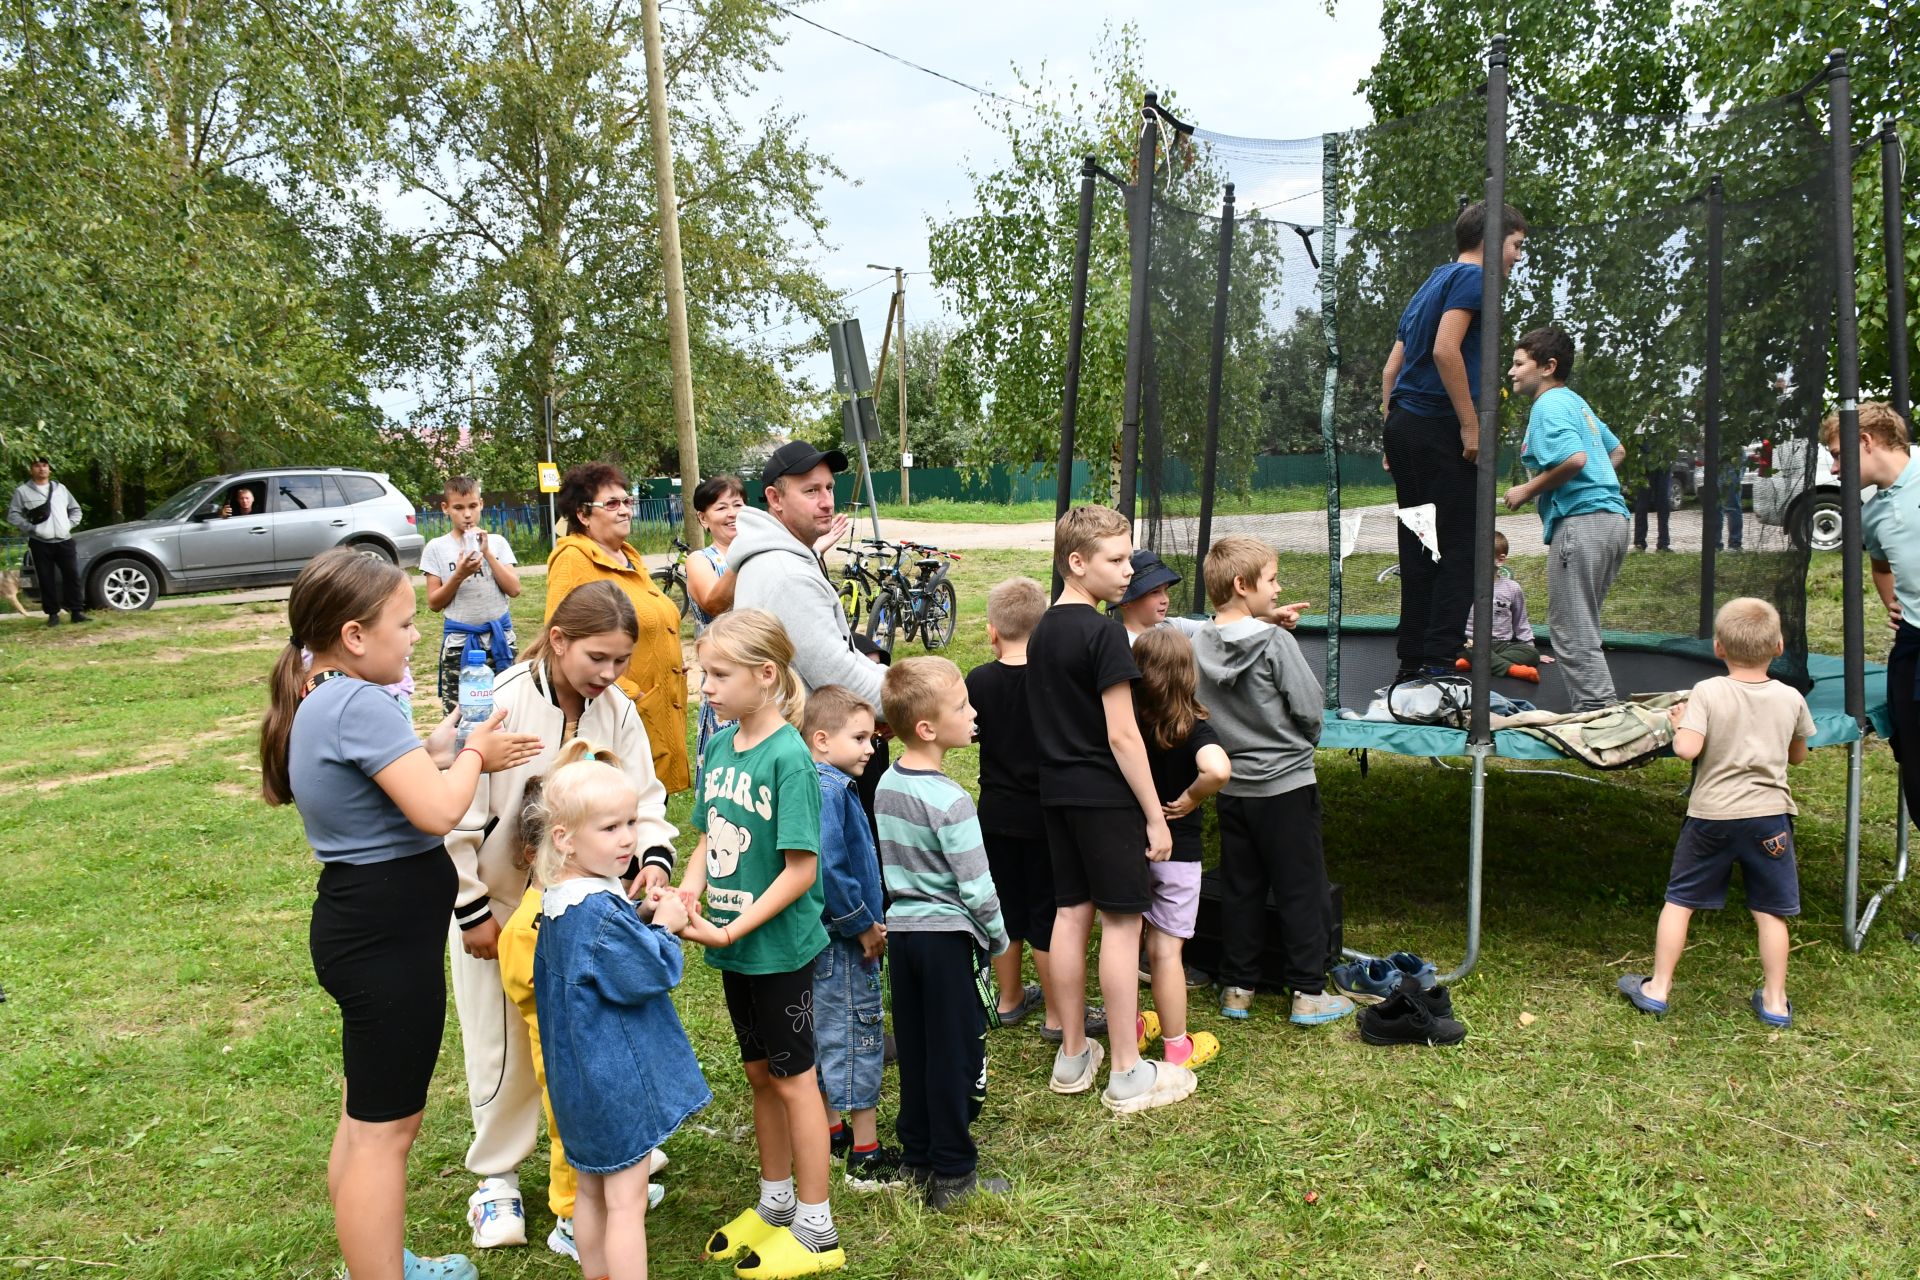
(781, 1255)
(737, 1237)
(1148, 1027)
(1206, 1047)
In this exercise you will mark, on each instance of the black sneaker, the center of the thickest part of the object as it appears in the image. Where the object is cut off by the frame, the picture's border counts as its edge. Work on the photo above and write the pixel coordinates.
(1096, 1026)
(1412, 1017)
(876, 1169)
(944, 1193)
(53, 619)
(839, 1144)
(81, 617)
(917, 1175)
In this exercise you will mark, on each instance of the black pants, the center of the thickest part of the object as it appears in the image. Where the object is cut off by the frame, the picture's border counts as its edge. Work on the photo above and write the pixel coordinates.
(1274, 842)
(56, 571)
(1655, 498)
(1424, 454)
(1903, 667)
(941, 1027)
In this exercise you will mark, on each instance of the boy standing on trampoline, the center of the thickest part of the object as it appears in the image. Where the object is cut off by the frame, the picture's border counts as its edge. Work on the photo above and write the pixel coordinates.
(1103, 817)
(1570, 455)
(1428, 391)
(1741, 730)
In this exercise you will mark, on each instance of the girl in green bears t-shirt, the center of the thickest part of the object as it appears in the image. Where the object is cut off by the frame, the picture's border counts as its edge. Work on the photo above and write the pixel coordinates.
(757, 806)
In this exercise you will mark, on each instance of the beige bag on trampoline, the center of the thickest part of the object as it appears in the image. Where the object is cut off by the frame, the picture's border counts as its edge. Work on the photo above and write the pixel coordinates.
(1611, 738)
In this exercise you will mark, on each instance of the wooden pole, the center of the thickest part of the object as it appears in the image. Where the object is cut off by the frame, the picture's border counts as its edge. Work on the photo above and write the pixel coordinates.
(900, 375)
(679, 347)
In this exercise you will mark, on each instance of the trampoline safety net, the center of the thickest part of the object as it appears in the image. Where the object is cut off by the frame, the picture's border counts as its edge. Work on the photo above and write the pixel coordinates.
(1688, 257)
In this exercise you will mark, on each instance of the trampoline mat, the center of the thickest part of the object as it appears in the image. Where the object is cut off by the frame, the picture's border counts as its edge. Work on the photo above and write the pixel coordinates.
(1640, 664)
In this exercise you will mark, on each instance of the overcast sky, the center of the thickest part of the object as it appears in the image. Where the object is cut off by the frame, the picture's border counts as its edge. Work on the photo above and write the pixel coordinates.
(1255, 68)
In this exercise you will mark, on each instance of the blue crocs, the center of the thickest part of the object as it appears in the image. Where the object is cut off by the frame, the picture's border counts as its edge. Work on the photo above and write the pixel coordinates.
(1368, 981)
(1779, 1020)
(1632, 987)
(450, 1266)
(1422, 971)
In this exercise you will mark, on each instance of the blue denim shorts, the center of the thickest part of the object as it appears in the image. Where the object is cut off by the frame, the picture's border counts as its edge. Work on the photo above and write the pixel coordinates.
(848, 1036)
(1703, 863)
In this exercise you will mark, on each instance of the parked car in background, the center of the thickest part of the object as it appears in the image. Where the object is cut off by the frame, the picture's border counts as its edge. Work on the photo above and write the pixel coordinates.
(248, 529)
(1807, 507)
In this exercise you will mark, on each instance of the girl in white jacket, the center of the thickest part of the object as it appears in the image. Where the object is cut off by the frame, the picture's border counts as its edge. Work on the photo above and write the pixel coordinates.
(563, 687)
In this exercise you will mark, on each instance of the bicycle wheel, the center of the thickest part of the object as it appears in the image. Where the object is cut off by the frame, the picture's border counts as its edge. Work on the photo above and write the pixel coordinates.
(884, 622)
(943, 610)
(673, 588)
(853, 601)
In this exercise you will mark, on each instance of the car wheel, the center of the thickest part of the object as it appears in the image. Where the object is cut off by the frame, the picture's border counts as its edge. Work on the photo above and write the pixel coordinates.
(1816, 522)
(125, 585)
(375, 551)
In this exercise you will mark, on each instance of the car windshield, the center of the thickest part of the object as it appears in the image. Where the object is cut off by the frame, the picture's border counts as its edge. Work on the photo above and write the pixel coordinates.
(184, 502)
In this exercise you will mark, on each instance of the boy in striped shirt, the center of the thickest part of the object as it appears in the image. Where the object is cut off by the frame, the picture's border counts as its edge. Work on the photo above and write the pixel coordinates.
(943, 920)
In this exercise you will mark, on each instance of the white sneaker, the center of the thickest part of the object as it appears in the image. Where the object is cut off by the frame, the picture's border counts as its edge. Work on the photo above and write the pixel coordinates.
(560, 1239)
(497, 1215)
(657, 1160)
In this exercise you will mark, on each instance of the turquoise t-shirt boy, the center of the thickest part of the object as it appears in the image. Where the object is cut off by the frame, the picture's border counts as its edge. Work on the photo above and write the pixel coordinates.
(1560, 425)
(753, 805)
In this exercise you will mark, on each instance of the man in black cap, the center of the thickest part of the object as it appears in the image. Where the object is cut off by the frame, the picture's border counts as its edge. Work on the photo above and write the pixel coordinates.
(777, 569)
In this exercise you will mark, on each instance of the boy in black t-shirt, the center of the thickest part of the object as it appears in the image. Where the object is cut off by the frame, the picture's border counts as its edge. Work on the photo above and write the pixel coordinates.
(1010, 822)
(1103, 818)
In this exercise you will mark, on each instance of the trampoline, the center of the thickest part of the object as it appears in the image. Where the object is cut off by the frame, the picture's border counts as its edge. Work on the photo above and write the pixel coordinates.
(1707, 296)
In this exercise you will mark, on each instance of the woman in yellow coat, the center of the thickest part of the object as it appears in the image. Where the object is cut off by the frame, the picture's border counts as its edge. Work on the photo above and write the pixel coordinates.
(599, 515)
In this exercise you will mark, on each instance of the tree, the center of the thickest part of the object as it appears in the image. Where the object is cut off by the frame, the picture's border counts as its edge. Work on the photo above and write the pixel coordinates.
(1009, 265)
(939, 431)
(523, 124)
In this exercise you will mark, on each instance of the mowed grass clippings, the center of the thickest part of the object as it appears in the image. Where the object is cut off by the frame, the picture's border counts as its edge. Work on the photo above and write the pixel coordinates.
(170, 1078)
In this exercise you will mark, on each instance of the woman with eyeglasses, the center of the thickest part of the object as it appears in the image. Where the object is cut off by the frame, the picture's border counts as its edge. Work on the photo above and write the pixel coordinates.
(599, 515)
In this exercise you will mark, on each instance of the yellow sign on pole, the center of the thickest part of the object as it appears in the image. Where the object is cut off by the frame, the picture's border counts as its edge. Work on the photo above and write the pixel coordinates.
(549, 478)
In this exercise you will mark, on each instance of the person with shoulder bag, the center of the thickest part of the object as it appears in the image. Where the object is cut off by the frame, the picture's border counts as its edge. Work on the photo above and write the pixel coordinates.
(46, 511)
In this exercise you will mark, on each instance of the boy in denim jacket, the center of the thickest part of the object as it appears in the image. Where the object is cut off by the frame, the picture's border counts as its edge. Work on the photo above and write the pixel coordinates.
(847, 1015)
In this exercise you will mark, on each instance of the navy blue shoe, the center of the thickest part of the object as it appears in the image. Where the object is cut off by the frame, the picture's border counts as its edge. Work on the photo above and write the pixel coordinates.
(1422, 971)
(1368, 981)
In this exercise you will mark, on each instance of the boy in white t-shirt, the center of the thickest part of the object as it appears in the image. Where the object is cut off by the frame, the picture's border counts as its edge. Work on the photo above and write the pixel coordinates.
(470, 579)
(1741, 731)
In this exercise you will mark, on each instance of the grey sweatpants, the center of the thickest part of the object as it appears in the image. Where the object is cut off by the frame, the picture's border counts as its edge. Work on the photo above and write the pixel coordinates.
(1582, 562)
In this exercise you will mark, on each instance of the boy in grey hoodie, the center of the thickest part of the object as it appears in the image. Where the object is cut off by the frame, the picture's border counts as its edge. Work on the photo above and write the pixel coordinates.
(1265, 704)
(776, 568)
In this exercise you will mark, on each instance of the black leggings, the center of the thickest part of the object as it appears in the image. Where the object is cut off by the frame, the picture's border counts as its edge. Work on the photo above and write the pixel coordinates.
(379, 942)
(1434, 597)
(1272, 843)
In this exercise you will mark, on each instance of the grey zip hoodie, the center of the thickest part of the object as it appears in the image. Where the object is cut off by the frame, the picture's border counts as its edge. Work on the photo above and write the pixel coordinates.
(779, 573)
(1263, 701)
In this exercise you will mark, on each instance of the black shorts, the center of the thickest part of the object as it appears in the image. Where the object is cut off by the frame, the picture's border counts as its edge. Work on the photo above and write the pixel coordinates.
(772, 1017)
(1704, 857)
(379, 944)
(1100, 856)
(1022, 869)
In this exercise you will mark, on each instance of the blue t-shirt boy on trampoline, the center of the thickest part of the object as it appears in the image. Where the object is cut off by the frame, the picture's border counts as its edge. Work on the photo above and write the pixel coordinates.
(1561, 425)
(1454, 286)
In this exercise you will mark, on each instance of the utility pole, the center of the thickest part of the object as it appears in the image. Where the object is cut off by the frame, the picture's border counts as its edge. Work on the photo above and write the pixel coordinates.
(679, 348)
(897, 315)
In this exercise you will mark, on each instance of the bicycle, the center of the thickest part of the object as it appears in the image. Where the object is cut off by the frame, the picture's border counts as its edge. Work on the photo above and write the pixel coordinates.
(672, 577)
(859, 584)
(925, 606)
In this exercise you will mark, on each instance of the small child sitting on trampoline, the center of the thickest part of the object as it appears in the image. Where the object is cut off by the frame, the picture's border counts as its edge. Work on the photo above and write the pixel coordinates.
(1514, 652)
(1741, 730)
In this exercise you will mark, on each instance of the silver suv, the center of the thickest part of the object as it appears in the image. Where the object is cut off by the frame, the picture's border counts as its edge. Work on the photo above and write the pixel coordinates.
(248, 529)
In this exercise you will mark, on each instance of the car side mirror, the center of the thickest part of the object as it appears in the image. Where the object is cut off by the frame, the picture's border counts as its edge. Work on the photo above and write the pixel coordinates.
(211, 511)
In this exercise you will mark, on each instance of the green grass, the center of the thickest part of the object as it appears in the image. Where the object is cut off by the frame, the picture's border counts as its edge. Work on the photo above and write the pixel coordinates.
(1261, 502)
(169, 1078)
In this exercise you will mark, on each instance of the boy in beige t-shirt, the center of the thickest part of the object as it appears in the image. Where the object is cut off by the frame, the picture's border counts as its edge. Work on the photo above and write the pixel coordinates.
(1741, 730)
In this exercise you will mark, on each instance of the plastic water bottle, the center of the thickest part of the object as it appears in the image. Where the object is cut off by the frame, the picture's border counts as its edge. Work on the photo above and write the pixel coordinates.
(476, 694)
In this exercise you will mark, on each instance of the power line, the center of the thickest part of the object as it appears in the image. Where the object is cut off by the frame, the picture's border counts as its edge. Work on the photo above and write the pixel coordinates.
(907, 62)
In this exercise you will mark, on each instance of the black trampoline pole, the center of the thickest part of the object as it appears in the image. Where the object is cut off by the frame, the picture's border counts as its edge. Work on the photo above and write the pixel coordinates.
(1895, 238)
(1710, 442)
(1216, 371)
(1329, 387)
(1140, 244)
(1839, 89)
(1076, 331)
(1493, 245)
